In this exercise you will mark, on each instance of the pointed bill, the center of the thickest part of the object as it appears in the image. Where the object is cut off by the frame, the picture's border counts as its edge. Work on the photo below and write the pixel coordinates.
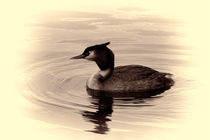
(78, 57)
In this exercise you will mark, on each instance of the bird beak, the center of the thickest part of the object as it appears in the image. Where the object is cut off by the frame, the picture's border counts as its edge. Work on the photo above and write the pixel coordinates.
(78, 57)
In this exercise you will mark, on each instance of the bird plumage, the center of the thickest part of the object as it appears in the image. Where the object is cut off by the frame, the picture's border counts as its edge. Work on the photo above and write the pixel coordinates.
(137, 79)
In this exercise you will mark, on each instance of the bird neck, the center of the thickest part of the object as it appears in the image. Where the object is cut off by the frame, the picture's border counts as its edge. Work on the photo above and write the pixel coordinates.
(106, 69)
(104, 74)
(105, 61)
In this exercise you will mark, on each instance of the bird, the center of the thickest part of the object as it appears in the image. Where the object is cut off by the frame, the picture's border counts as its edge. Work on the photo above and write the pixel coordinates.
(128, 80)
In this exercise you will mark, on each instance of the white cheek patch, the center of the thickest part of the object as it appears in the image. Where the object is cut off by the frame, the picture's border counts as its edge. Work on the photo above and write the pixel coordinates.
(91, 55)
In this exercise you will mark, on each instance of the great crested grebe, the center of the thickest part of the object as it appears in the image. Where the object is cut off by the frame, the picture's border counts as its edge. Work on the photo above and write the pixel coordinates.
(129, 80)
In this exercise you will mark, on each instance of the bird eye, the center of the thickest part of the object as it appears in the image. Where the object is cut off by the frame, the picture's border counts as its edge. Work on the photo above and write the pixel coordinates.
(88, 53)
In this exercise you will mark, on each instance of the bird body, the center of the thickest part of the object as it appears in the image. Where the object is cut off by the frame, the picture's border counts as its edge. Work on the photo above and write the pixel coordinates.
(129, 78)
(136, 79)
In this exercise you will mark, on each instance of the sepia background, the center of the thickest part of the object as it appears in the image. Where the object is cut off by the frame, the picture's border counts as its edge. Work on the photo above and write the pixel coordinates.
(43, 92)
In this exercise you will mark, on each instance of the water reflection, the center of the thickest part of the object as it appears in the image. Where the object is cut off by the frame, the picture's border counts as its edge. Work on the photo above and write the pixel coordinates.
(101, 116)
(104, 108)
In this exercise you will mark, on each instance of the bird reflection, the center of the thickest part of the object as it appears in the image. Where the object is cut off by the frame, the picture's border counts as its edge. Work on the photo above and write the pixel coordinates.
(101, 116)
(103, 103)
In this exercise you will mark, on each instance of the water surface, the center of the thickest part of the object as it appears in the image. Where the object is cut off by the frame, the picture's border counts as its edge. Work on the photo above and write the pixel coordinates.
(55, 85)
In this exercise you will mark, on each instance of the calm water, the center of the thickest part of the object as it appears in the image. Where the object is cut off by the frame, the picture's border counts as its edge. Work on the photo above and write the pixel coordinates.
(54, 85)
